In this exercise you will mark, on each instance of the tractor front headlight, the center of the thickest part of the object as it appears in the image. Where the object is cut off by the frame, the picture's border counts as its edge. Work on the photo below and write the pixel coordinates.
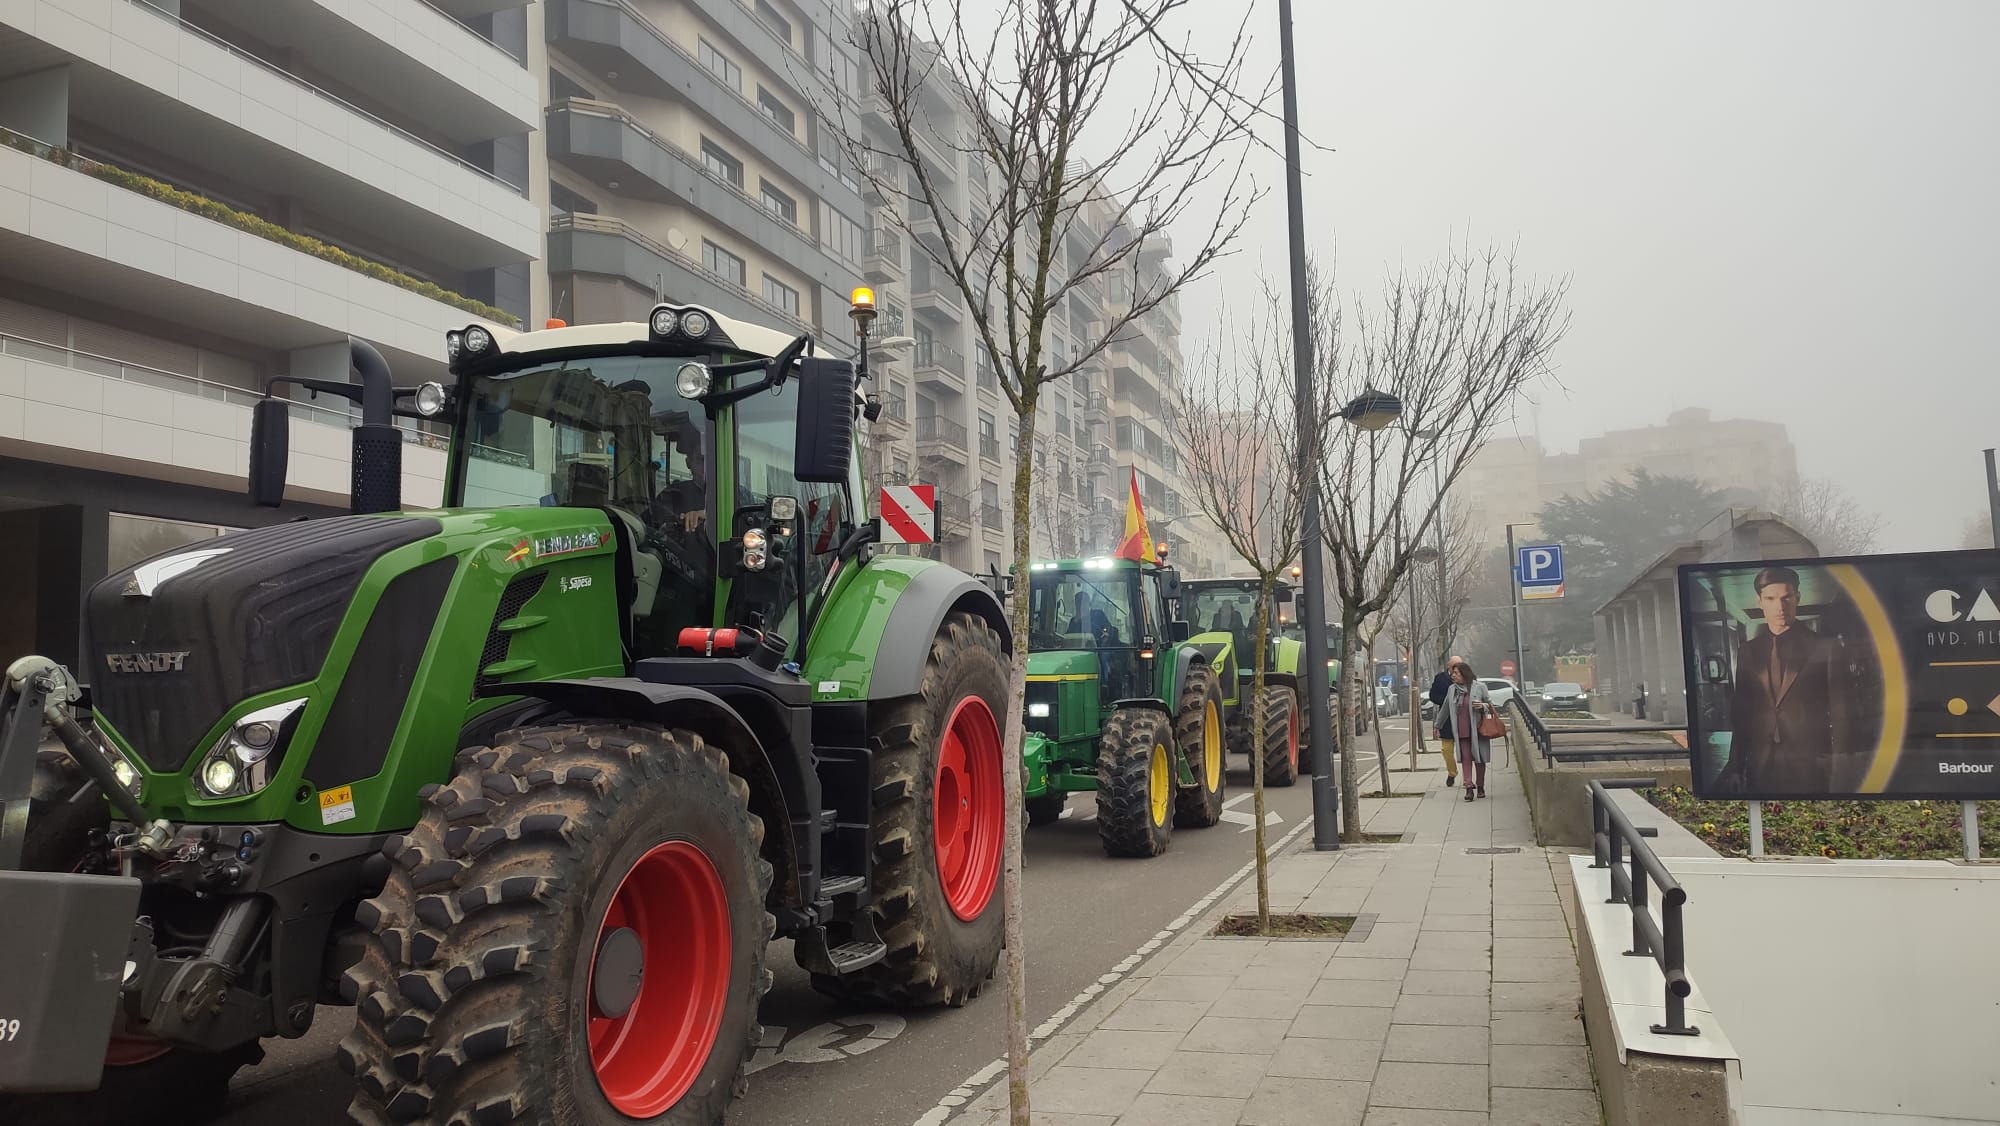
(693, 380)
(245, 759)
(1038, 710)
(756, 550)
(430, 399)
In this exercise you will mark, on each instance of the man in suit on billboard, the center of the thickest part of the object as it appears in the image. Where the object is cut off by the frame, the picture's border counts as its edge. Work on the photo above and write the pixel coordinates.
(1789, 713)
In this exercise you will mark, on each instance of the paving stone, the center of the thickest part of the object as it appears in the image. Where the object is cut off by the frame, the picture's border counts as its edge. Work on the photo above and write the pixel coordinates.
(1342, 1022)
(1404, 1116)
(1534, 969)
(1535, 1065)
(1537, 1028)
(1365, 969)
(1123, 1048)
(1530, 928)
(1533, 947)
(1477, 923)
(1305, 1057)
(1544, 912)
(1260, 1004)
(1288, 1101)
(1334, 991)
(1459, 961)
(1156, 1016)
(1185, 987)
(1471, 942)
(1086, 1090)
(1430, 1086)
(1517, 1106)
(1308, 958)
(1282, 979)
(1443, 1009)
(1235, 1034)
(1535, 996)
(1222, 1074)
(1448, 983)
(1436, 1043)
(1182, 1110)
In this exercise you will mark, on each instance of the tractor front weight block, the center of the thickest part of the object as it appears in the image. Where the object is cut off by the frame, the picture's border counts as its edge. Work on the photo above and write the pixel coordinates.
(65, 940)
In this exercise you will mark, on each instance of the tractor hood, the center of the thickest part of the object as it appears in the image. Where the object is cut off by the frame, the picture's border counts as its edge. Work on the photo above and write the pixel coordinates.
(175, 640)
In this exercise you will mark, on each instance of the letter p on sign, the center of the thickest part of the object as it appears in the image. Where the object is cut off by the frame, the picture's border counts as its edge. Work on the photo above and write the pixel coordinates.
(909, 514)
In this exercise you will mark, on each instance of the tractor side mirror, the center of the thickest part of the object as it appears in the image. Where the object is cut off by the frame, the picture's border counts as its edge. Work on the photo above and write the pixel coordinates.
(1179, 630)
(1170, 584)
(1284, 595)
(825, 434)
(270, 450)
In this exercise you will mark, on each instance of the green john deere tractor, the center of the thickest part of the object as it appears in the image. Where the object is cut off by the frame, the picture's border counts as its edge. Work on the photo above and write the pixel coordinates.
(529, 780)
(1119, 703)
(1223, 615)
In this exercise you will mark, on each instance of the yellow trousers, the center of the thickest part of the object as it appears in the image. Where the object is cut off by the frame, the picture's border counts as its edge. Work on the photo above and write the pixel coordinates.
(1450, 752)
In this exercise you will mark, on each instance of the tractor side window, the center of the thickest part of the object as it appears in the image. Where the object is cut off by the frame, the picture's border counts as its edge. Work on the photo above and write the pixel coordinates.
(1150, 623)
(766, 441)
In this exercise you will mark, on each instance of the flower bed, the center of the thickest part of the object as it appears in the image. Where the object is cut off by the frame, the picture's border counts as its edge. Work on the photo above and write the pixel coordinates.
(1867, 830)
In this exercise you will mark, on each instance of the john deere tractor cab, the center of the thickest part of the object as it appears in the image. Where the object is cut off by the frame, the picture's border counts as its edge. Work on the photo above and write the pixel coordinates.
(1119, 703)
(1223, 615)
(529, 779)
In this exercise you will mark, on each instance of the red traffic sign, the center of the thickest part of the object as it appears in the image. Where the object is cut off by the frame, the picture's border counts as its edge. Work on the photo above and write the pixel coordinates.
(909, 514)
(1507, 669)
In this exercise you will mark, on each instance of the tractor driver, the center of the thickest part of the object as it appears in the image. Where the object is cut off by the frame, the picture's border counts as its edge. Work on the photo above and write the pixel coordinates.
(684, 502)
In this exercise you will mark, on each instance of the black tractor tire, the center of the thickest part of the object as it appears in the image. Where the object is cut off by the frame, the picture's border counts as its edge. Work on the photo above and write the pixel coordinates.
(183, 1087)
(1047, 809)
(1135, 783)
(474, 999)
(1279, 713)
(1200, 717)
(935, 957)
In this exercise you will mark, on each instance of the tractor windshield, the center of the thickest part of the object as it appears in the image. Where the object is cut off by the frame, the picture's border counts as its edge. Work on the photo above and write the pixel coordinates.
(1220, 609)
(599, 432)
(1100, 609)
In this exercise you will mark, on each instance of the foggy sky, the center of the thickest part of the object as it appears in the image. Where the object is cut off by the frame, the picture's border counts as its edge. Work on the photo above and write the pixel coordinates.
(1787, 211)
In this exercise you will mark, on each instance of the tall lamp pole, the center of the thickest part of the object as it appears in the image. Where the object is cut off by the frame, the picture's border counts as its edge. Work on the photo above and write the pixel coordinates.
(1319, 717)
(1514, 596)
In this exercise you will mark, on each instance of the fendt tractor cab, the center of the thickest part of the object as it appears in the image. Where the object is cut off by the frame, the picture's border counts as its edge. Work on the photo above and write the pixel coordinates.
(1223, 616)
(529, 780)
(1119, 703)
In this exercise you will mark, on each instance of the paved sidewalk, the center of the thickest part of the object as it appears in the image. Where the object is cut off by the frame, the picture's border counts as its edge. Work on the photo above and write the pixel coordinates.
(1454, 1002)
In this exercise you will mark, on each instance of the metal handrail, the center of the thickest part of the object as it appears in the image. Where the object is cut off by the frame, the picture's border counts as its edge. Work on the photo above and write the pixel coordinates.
(295, 80)
(1613, 839)
(474, 32)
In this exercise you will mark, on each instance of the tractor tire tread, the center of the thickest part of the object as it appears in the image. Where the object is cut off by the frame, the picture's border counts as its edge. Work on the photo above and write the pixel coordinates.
(1124, 784)
(1275, 713)
(1198, 807)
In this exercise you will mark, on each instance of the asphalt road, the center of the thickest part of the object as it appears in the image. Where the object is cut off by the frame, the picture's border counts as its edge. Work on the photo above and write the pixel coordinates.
(837, 1066)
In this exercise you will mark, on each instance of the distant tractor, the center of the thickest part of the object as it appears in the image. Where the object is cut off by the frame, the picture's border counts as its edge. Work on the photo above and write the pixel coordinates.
(1222, 613)
(1120, 704)
(529, 780)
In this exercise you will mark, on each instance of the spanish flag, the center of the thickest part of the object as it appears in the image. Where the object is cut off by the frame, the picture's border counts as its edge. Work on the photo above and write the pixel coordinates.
(1138, 542)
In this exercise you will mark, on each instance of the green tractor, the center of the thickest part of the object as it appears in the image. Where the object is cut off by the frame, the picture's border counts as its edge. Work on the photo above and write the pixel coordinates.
(1223, 615)
(529, 780)
(1118, 703)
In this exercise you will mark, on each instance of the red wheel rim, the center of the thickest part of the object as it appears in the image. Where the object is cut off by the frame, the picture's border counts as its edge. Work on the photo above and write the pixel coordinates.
(968, 816)
(1292, 736)
(130, 1051)
(647, 1057)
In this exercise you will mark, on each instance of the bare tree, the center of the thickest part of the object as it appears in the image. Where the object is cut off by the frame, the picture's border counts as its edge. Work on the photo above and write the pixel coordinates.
(1829, 516)
(1239, 434)
(1069, 193)
(1457, 343)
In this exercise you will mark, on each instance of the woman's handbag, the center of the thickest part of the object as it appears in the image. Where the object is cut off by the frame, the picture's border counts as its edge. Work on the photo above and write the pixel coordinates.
(1490, 725)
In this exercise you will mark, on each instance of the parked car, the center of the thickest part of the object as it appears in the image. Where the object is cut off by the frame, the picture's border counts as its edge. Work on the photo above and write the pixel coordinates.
(1560, 697)
(1500, 689)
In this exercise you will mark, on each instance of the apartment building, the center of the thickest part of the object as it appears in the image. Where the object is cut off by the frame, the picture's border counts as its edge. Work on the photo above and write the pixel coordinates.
(197, 196)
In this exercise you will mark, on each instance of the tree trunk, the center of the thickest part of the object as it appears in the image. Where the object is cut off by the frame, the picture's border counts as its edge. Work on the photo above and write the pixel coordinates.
(1382, 755)
(1013, 957)
(1256, 711)
(1350, 801)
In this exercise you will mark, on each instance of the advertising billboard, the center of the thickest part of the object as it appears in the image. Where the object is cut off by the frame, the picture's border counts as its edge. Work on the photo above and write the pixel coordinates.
(1860, 677)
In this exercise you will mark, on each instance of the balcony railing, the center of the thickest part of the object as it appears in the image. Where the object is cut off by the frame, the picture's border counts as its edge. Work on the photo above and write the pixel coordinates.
(989, 447)
(302, 84)
(931, 354)
(937, 428)
(885, 244)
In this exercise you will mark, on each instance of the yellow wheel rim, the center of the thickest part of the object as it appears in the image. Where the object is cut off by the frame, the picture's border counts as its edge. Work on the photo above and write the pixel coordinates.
(1211, 747)
(1162, 783)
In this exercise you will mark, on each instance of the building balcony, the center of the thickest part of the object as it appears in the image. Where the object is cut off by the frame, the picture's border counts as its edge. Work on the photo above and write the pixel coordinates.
(597, 244)
(885, 256)
(614, 36)
(430, 67)
(939, 363)
(142, 79)
(989, 447)
(894, 421)
(608, 145)
(68, 230)
(942, 437)
(933, 294)
(69, 407)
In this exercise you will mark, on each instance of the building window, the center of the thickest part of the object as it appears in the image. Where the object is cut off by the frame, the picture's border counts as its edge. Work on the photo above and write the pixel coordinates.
(568, 202)
(721, 263)
(719, 63)
(781, 295)
(717, 160)
(562, 86)
(777, 111)
(841, 236)
(780, 204)
(779, 25)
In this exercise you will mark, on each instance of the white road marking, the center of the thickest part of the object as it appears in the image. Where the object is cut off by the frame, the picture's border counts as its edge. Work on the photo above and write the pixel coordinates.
(830, 1042)
(1249, 821)
(968, 1090)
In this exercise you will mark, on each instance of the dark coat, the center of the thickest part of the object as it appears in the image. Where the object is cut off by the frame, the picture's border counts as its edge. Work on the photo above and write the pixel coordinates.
(1789, 728)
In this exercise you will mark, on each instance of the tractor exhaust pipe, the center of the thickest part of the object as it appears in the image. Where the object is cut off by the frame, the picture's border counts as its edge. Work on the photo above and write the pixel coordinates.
(377, 484)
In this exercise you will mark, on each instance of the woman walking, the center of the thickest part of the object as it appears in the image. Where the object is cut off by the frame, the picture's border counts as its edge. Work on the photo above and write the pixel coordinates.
(1465, 702)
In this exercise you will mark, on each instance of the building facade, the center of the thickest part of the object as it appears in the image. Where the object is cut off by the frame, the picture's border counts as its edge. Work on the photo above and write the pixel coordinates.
(196, 197)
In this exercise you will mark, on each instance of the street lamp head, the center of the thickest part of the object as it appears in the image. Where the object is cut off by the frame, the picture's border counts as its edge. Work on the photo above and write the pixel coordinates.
(1372, 410)
(1424, 554)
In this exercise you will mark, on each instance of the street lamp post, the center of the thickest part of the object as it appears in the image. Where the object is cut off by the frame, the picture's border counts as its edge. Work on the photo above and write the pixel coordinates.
(1514, 597)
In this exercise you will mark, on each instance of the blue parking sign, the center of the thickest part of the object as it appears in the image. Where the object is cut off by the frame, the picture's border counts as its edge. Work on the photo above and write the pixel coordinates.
(1540, 571)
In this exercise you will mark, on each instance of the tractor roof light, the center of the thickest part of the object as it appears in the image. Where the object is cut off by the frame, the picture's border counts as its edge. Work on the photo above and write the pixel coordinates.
(664, 321)
(478, 340)
(430, 399)
(693, 380)
(695, 323)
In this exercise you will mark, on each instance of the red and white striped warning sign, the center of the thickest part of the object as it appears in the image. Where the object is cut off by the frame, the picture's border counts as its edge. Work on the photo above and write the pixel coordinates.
(909, 514)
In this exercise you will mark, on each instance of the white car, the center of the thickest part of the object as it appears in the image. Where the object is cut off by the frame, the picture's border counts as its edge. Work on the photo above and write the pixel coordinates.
(1499, 689)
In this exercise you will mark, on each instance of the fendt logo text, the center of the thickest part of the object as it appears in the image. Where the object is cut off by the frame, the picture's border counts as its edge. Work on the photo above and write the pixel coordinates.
(146, 662)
